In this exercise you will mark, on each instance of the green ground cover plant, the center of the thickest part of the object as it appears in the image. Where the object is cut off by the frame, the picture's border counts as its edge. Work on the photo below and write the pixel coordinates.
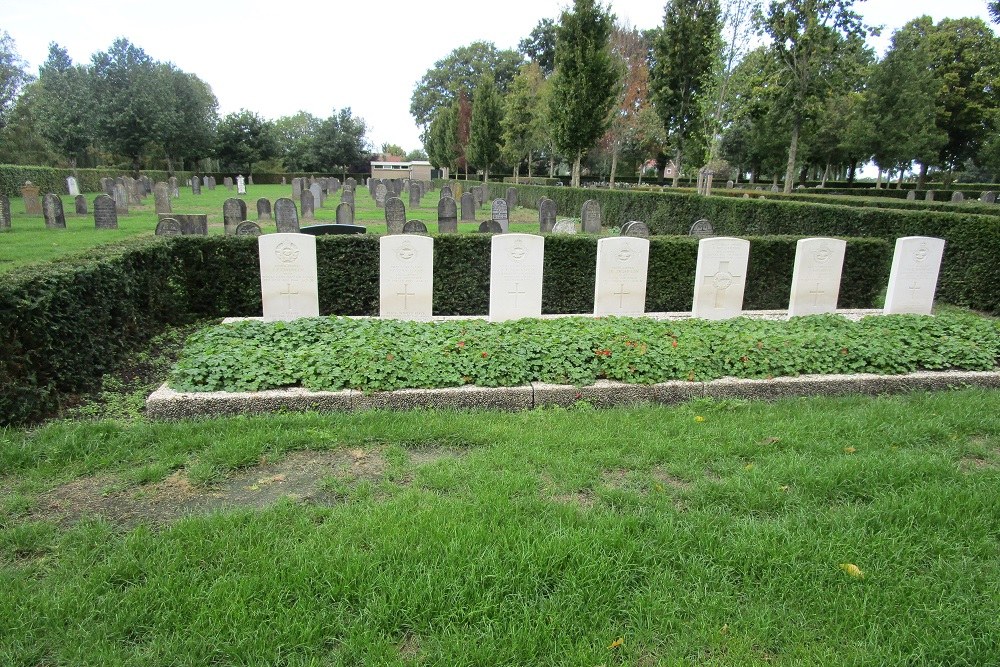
(376, 355)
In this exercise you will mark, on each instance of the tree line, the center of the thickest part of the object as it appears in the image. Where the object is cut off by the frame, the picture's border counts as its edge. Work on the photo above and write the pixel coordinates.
(125, 108)
(811, 101)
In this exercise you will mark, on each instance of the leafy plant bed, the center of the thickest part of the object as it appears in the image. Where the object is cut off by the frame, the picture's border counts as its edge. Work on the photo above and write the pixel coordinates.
(372, 355)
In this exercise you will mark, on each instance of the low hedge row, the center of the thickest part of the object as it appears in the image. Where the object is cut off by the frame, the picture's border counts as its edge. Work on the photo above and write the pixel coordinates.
(275, 179)
(49, 179)
(865, 200)
(970, 272)
(66, 323)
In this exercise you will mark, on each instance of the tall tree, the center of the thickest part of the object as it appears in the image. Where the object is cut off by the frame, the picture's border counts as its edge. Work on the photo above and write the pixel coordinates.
(583, 86)
(485, 133)
(737, 29)
(189, 131)
(442, 137)
(806, 35)
(65, 104)
(684, 54)
(243, 139)
(623, 137)
(295, 136)
(540, 46)
(340, 143)
(13, 75)
(523, 117)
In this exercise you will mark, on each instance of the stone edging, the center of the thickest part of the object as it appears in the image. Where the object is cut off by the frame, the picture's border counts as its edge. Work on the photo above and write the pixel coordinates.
(165, 403)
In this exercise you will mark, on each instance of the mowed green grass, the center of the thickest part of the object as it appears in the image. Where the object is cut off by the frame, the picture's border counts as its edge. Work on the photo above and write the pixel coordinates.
(29, 242)
(708, 533)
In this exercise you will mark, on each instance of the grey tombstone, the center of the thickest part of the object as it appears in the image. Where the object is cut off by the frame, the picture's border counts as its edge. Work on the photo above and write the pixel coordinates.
(913, 277)
(106, 213)
(285, 216)
(210, 181)
(590, 217)
(566, 226)
(72, 186)
(929, 195)
(775, 189)
(345, 214)
(161, 198)
(511, 199)
(4, 213)
(196, 186)
(228, 182)
(636, 229)
(499, 212)
(232, 215)
(468, 206)
(284, 181)
(165, 227)
(241, 185)
(988, 197)
(80, 203)
(446, 191)
(490, 227)
(702, 229)
(347, 197)
(29, 195)
(414, 196)
(911, 195)
(380, 193)
(307, 202)
(296, 188)
(52, 208)
(353, 182)
(248, 228)
(192, 224)
(175, 191)
(957, 197)
(317, 192)
(414, 227)
(546, 215)
(263, 208)
(395, 215)
(730, 185)
(447, 216)
(334, 185)
(106, 185)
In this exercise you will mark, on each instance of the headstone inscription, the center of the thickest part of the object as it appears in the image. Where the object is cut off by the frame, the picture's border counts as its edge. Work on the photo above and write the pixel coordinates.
(29, 195)
(286, 218)
(913, 277)
(499, 213)
(345, 214)
(395, 215)
(72, 186)
(406, 277)
(911, 195)
(317, 193)
(288, 277)
(636, 229)
(490, 227)
(306, 202)
(620, 284)
(161, 197)
(516, 276)
(248, 228)
(546, 215)
(468, 206)
(263, 208)
(590, 216)
(4, 213)
(702, 229)
(80, 203)
(232, 215)
(957, 197)
(447, 216)
(816, 276)
(165, 227)
(414, 227)
(241, 185)
(720, 277)
(53, 209)
(106, 213)
(381, 191)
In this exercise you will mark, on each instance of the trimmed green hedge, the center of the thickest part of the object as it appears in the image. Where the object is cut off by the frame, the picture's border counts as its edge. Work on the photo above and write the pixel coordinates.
(868, 200)
(49, 179)
(970, 272)
(275, 179)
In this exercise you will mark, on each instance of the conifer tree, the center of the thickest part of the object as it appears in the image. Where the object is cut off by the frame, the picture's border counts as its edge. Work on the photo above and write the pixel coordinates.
(485, 134)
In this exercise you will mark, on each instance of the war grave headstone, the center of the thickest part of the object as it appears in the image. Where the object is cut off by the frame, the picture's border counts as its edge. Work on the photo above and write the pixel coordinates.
(929, 195)
(414, 197)
(447, 216)
(546, 214)
(911, 195)
(702, 229)
(317, 193)
(636, 229)
(286, 218)
(228, 182)
(80, 204)
(165, 227)
(913, 277)
(516, 276)
(263, 208)
(720, 277)
(381, 191)
(4, 213)
(988, 197)
(248, 228)
(241, 185)
(347, 197)
(196, 186)
(620, 284)
(511, 198)
(288, 277)
(499, 213)
(72, 186)
(816, 276)
(406, 277)
(957, 197)
(175, 191)
(414, 227)
(161, 198)
(446, 192)
(565, 226)
(52, 208)
(590, 217)
(345, 214)
(32, 202)
(468, 206)
(395, 215)
(306, 203)
(106, 213)
(232, 215)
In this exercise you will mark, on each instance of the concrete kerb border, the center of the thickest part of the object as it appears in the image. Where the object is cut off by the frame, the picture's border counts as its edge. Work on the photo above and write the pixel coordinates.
(165, 403)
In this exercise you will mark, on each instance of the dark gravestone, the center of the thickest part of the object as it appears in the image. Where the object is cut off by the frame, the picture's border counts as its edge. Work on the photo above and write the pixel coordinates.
(161, 197)
(263, 208)
(175, 192)
(498, 213)
(347, 197)
(381, 192)
(29, 195)
(106, 185)
(479, 191)
(511, 199)
(546, 215)
(232, 215)
(446, 192)
(285, 216)
(911, 195)
(351, 181)
(296, 188)
(468, 206)
(491, 227)
(307, 204)
(168, 227)
(590, 217)
(52, 208)
(196, 186)
(4, 213)
(414, 227)
(636, 229)
(248, 228)
(105, 213)
(702, 229)
(317, 192)
(345, 214)
(395, 215)
(414, 196)
(228, 182)
(192, 224)
(121, 198)
(81, 204)
(988, 197)
(447, 216)
(957, 197)
(327, 229)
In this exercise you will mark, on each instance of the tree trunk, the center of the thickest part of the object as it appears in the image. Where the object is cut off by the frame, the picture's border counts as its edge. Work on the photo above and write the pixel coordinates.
(170, 166)
(486, 175)
(826, 173)
(135, 166)
(552, 165)
(878, 179)
(922, 179)
(793, 149)
(614, 165)
(575, 178)
(677, 166)
(852, 171)
(529, 165)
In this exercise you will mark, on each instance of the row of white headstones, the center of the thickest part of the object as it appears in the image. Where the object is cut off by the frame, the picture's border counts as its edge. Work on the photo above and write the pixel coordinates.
(289, 278)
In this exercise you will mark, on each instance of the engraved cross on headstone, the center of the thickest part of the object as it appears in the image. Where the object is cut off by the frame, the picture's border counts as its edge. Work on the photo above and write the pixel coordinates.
(816, 293)
(621, 295)
(914, 288)
(515, 292)
(289, 293)
(405, 294)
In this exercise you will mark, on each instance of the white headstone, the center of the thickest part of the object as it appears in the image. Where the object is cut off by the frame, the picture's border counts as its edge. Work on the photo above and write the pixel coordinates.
(288, 278)
(72, 186)
(516, 276)
(914, 274)
(406, 277)
(720, 277)
(620, 287)
(816, 276)
(241, 185)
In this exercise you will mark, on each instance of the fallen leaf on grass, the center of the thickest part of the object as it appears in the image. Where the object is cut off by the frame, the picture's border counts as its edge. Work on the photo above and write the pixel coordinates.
(784, 487)
(724, 630)
(770, 440)
(699, 419)
(853, 570)
(849, 450)
(616, 643)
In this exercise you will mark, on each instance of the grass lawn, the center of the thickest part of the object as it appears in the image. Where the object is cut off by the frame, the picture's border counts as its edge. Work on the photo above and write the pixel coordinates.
(710, 533)
(29, 242)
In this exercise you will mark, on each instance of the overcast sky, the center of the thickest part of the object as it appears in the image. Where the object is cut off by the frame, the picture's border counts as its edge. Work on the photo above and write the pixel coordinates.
(276, 58)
